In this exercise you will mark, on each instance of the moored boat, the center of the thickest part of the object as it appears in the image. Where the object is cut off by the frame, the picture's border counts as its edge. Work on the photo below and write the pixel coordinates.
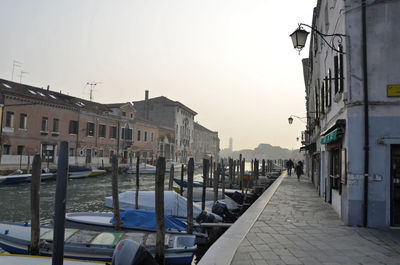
(12, 259)
(83, 172)
(143, 169)
(137, 220)
(174, 204)
(17, 178)
(95, 245)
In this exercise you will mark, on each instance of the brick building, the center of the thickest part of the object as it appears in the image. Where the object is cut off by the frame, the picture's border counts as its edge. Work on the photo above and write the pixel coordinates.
(36, 120)
(206, 143)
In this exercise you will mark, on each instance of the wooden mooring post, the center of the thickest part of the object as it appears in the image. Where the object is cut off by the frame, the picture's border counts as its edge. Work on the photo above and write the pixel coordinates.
(223, 178)
(59, 206)
(242, 175)
(35, 205)
(171, 177)
(182, 172)
(114, 184)
(205, 179)
(137, 183)
(231, 168)
(256, 173)
(216, 181)
(189, 200)
(263, 167)
(211, 172)
(234, 171)
(159, 207)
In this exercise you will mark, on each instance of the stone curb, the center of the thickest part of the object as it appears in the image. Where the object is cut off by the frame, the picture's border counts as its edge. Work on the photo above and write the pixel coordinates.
(224, 249)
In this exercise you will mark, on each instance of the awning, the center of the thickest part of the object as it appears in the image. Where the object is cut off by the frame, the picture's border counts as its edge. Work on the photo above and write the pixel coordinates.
(306, 147)
(333, 132)
(330, 137)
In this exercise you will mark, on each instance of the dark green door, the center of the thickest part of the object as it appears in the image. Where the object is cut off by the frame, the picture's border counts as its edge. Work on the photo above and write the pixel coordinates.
(395, 186)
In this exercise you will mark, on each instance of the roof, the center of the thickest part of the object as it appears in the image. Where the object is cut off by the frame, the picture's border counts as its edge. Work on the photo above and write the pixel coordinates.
(201, 127)
(167, 101)
(52, 97)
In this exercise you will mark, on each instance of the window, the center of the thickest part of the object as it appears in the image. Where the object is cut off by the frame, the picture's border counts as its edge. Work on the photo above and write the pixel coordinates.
(22, 120)
(328, 85)
(113, 132)
(101, 153)
(45, 121)
(20, 150)
(6, 149)
(126, 133)
(338, 64)
(145, 136)
(73, 127)
(90, 129)
(316, 99)
(138, 135)
(131, 115)
(124, 113)
(56, 123)
(10, 119)
(102, 130)
(322, 99)
(152, 136)
(71, 152)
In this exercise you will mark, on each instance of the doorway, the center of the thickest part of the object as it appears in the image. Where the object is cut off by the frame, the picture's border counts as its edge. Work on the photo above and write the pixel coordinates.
(395, 186)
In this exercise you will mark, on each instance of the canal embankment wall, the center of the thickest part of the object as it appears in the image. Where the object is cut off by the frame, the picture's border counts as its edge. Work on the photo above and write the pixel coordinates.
(224, 249)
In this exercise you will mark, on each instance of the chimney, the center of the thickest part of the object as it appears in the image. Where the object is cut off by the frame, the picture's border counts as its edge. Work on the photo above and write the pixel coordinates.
(48, 87)
(146, 104)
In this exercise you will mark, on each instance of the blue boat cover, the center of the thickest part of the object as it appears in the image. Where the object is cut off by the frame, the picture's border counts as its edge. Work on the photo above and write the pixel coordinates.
(146, 220)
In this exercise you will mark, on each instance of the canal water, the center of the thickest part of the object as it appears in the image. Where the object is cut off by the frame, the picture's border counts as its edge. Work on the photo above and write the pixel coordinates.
(83, 195)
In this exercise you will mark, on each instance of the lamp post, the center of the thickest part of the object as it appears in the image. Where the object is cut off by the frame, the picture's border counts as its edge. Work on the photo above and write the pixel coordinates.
(302, 119)
(299, 37)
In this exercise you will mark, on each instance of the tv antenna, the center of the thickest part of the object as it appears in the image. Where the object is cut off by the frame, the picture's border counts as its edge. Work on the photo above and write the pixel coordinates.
(15, 64)
(21, 74)
(91, 88)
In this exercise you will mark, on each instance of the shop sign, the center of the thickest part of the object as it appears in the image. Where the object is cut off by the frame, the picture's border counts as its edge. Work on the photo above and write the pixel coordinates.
(330, 137)
(393, 90)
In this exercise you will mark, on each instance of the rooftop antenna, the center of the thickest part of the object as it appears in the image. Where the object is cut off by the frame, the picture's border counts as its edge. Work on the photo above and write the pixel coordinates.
(15, 64)
(21, 74)
(91, 88)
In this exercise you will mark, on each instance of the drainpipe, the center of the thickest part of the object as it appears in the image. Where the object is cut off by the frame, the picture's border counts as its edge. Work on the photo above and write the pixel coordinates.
(366, 115)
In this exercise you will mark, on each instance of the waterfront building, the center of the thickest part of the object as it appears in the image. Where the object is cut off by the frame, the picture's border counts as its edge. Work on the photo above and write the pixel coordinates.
(352, 139)
(206, 143)
(36, 120)
(170, 114)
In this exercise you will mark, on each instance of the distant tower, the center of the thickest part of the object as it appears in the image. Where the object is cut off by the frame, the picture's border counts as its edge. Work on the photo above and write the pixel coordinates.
(230, 144)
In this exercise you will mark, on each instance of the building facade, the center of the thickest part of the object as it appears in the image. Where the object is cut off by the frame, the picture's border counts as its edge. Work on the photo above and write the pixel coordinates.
(206, 143)
(36, 120)
(352, 139)
(170, 114)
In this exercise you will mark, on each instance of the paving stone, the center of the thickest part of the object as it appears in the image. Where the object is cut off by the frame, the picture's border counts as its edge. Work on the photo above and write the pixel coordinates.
(298, 227)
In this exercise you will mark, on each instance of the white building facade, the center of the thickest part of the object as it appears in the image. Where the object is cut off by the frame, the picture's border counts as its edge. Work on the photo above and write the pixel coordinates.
(352, 139)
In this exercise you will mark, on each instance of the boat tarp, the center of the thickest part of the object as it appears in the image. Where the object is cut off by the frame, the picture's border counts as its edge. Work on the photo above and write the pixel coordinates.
(146, 220)
(174, 204)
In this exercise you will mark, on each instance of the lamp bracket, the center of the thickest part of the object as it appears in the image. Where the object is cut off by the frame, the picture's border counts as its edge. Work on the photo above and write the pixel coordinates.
(323, 35)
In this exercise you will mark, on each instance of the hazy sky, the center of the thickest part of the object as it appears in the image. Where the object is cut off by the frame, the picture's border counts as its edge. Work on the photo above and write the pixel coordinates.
(230, 61)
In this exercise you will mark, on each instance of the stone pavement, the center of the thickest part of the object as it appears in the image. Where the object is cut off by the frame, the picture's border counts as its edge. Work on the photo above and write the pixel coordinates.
(298, 227)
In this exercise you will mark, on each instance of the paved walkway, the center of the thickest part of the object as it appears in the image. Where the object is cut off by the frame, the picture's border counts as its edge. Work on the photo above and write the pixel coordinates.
(298, 227)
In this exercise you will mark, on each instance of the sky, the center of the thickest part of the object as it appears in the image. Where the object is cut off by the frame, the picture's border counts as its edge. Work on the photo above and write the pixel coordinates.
(231, 61)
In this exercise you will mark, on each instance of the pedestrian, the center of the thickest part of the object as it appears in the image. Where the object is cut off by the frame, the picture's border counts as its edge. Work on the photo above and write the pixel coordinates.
(289, 166)
(299, 170)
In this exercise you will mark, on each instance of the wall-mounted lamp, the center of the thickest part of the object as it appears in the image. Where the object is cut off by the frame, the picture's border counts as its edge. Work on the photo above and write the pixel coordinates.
(302, 119)
(299, 37)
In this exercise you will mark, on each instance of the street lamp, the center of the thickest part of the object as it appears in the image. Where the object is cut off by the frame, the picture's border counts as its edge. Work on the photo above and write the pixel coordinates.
(299, 37)
(302, 119)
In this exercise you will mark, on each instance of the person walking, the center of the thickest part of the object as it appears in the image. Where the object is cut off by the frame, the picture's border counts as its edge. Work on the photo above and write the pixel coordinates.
(299, 170)
(289, 166)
